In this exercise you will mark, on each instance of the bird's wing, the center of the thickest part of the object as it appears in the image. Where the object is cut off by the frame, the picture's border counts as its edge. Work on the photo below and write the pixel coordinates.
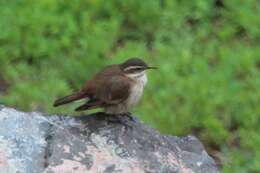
(113, 90)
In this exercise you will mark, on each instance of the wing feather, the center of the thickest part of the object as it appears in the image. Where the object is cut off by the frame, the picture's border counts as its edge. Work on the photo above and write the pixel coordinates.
(114, 90)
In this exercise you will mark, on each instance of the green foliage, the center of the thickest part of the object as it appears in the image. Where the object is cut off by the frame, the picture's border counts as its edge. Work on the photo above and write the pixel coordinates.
(207, 52)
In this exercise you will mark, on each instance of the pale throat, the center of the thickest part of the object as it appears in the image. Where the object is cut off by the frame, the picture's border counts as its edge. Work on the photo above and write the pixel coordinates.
(139, 78)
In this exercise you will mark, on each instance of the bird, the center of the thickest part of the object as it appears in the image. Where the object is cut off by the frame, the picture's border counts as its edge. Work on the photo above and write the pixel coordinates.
(116, 88)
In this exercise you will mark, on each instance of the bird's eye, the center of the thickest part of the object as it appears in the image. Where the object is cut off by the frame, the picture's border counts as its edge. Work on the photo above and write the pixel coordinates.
(139, 69)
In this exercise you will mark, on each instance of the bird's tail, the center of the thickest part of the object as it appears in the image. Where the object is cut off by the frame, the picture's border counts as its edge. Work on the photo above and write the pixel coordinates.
(68, 99)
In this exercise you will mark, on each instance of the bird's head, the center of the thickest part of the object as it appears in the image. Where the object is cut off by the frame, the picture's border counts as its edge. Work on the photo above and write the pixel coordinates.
(135, 67)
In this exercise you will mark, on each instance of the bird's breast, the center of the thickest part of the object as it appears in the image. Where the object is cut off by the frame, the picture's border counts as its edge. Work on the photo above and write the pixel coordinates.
(136, 91)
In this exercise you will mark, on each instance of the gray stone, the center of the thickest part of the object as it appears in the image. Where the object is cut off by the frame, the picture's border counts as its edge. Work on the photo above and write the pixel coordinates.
(1, 107)
(97, 143)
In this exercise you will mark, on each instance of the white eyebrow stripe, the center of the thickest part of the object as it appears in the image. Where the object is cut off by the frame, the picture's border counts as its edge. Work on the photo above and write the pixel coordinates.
(132, 67)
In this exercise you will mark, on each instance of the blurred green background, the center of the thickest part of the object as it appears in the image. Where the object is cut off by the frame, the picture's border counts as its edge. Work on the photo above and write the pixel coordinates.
(207, 51)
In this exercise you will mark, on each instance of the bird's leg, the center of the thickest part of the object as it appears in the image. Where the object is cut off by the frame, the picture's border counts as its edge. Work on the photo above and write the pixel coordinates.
(120, 119)
(128, 114)
(115, 118)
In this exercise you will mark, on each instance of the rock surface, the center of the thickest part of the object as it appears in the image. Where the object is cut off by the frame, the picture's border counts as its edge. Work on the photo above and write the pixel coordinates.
(35, 143)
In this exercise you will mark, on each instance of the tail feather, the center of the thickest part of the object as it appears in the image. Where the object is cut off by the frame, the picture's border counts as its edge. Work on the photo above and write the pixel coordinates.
(68, 99)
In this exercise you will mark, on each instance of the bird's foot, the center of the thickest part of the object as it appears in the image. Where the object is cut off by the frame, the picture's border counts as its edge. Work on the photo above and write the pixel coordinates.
(122, 122)
(128, 115)
(124, 119)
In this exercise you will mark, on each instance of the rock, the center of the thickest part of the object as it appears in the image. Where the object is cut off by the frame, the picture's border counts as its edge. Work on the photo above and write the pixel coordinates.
(36, 143)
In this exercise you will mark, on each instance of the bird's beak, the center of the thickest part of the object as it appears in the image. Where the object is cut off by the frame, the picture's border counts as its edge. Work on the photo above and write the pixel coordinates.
(147, 68)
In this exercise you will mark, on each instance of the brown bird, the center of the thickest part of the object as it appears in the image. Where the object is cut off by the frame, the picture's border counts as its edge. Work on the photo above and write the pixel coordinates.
(117, 88)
